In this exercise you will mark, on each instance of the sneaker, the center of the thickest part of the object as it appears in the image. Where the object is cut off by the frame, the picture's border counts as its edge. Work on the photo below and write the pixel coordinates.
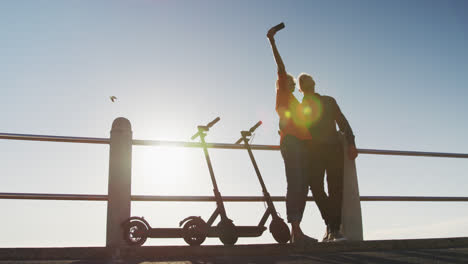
(327, 234)
(303, 240)
(336, 236)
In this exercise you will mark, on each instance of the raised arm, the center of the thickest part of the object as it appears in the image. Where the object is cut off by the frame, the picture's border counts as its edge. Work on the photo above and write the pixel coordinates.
(271, 36)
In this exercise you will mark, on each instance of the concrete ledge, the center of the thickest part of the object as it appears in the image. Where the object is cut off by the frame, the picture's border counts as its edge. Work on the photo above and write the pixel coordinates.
(386, 245)
(78, 253)
(164, 252)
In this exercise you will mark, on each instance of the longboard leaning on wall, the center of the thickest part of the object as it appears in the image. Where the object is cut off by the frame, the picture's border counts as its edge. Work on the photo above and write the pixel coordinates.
(351, 216)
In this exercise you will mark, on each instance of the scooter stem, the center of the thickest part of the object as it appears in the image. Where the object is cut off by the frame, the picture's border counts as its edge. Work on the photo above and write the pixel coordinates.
(266, 195)
(217, 194)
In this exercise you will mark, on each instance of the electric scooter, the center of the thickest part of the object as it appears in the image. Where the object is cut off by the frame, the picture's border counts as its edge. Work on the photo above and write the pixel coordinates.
(227, 232)
(278, 228)
(193, 229)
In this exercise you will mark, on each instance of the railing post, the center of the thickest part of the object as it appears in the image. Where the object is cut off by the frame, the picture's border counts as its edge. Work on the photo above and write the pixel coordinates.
(119, 189)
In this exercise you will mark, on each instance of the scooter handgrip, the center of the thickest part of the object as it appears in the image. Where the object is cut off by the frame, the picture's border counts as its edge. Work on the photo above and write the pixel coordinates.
(213, 122)
(195, 136)
(252, 129)
(279, 27)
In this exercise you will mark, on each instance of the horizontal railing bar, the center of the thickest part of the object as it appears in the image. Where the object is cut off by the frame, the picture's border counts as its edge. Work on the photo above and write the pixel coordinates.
(276, 147)
(282, 198)
(412, 153)
(176, 198)
(413, 199)
(48, 196)
(54, 138)
(138, 142)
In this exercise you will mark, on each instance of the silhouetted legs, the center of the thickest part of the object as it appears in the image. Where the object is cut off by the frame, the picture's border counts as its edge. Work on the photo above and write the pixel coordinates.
(293, 150)
(321, 158)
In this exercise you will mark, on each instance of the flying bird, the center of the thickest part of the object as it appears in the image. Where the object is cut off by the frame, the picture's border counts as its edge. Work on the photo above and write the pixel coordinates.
(113, 98)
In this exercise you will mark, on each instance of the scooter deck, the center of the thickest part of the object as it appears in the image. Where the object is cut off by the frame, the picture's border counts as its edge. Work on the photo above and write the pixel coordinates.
(242, 231)
(165, 233)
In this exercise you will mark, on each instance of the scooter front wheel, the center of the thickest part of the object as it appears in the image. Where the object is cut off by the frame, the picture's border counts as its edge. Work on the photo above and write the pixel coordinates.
(227, 232)
(195, 232)
(135, 233)
(280, 230)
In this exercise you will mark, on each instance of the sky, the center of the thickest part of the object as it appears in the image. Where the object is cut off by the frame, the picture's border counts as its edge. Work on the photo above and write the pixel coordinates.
(398, 70)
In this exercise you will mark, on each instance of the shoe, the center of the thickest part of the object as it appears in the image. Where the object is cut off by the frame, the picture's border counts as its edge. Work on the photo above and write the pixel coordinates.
(327, 234)
(336, 236)
(303, 240)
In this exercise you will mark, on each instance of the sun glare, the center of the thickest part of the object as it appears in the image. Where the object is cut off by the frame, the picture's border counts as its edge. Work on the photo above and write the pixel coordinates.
(161, 170)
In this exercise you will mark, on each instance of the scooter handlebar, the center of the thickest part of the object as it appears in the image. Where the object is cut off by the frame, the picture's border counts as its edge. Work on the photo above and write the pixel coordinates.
(194, 136)
(213, 122)
(251, 130)
(205, 128)
(278, 27)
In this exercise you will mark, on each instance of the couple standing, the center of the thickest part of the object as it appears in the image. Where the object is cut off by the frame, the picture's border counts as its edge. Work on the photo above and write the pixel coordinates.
(310, 146)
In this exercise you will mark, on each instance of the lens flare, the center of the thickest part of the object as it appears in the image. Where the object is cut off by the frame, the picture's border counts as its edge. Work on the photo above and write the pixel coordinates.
(309, 112)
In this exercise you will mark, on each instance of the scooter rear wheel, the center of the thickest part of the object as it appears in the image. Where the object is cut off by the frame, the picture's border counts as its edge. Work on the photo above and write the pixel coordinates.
(280, 230)
(227, 232)
(135, 233)
(195, 232)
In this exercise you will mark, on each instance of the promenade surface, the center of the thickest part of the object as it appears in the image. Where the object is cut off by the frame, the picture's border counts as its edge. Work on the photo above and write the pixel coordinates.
(445, 250)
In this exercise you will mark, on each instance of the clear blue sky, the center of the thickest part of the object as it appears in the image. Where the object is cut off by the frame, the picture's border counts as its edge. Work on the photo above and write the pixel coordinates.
(398, 70)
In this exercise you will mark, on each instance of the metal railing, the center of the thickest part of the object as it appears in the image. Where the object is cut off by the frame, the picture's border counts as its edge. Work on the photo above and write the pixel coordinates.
(119, 196)
(178, 198)
(158, 198)
(139, 142)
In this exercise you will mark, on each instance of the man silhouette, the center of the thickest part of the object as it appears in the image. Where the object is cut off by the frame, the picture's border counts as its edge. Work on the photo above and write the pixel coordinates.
(320, 115)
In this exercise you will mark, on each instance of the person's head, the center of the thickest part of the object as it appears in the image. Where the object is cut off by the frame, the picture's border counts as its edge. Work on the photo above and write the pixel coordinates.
(306, 83)
(290, 81)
